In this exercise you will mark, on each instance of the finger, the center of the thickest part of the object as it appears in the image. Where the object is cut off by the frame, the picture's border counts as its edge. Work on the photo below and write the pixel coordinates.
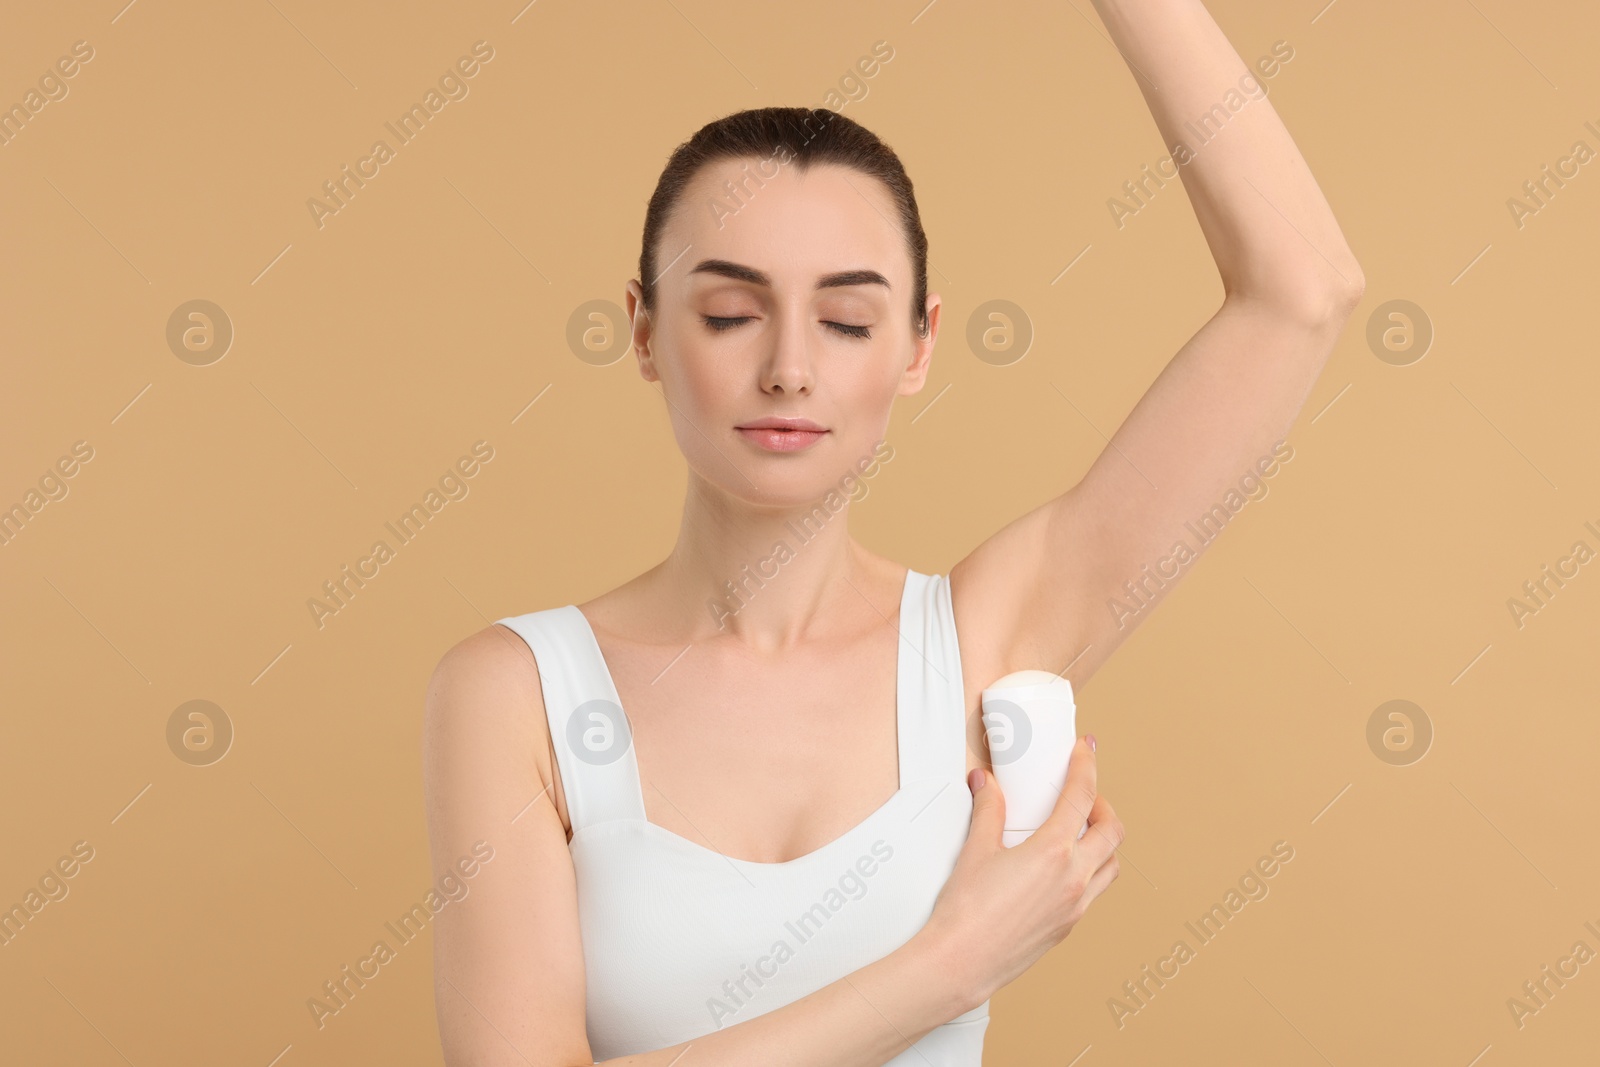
(1071, 811)
(1104, 837)
(1100, 880)
(988, 809)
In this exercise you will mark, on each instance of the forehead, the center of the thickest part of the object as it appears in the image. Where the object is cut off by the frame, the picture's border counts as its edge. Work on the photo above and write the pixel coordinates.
(792, 225)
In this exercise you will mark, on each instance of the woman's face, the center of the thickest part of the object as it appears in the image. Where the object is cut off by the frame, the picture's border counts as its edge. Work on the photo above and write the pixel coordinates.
(793, 300)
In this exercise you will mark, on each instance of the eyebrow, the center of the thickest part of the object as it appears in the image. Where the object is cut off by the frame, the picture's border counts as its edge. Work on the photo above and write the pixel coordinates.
(838, 279)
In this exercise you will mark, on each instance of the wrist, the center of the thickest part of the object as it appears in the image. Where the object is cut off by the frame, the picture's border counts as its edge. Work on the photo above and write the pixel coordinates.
(950, 969)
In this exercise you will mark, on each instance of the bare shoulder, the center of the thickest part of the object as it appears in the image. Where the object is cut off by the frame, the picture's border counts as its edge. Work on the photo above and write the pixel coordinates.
(514, 954)
(488, 678)
(485, 703)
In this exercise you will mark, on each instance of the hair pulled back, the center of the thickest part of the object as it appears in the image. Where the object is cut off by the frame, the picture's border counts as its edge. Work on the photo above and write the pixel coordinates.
(786, 136)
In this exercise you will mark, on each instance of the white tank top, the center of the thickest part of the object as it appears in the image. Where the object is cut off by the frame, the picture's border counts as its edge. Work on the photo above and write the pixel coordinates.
(680, 940)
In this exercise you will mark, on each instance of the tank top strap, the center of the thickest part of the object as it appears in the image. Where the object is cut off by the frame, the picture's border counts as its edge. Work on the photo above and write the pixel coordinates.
(589, 731)
(932, 708)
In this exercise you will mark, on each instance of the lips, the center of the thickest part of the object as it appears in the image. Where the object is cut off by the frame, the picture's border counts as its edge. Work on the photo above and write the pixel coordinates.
(777, 422)
(782, 435)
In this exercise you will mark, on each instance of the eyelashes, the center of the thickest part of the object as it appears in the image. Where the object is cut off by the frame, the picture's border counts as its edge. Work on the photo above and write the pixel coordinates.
(852, 331)
(722, 324)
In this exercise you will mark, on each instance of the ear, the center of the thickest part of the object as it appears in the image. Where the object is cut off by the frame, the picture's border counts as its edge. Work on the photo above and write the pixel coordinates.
(639, 328)
(915, 374)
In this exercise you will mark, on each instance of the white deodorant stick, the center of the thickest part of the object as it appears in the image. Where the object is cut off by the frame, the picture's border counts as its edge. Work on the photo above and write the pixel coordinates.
(1030, 718)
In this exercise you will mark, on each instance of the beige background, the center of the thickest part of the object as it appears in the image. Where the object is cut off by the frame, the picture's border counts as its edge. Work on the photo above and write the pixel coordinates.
(433, 309)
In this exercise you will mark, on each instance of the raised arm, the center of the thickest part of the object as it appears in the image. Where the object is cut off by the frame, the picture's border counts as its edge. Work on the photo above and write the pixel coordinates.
(1067, 582)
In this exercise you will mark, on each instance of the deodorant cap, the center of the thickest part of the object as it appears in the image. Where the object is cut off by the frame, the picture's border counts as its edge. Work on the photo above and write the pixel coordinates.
(1035, 712)
(1028, 680)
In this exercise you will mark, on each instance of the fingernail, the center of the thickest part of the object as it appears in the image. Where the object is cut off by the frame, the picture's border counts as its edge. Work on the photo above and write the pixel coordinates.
(1090, 739)
(975, 779)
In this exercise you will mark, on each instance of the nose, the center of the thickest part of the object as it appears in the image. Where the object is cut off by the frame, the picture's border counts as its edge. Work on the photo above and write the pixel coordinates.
(789, 366)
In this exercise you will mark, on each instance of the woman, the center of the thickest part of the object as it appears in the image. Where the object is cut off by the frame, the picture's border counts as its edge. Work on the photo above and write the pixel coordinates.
(769, 854)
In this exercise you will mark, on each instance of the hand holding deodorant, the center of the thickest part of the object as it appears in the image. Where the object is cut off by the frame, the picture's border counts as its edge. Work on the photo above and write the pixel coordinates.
(1030, 718)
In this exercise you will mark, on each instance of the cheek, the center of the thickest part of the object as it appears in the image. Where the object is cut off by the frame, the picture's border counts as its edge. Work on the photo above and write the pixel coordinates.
(864, 400)
(704, 383)
(873, 383)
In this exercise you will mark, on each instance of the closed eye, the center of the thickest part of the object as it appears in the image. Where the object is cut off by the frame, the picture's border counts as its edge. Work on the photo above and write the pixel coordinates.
(720, 324)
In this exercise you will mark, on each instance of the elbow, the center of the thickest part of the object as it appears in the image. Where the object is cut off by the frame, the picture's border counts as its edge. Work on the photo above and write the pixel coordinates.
(1347, 296)
(1316, 302)
(1333, 307)
(1336, 300)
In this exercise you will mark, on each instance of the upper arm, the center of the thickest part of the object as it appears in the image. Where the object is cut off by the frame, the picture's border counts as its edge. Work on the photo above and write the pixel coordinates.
(508, 961)
(1069, 581)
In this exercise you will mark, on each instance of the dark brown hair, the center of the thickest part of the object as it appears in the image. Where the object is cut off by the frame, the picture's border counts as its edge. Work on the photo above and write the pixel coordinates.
(796, 136)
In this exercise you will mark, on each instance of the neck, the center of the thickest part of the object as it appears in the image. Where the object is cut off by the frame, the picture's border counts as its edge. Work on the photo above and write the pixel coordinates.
(763, 573)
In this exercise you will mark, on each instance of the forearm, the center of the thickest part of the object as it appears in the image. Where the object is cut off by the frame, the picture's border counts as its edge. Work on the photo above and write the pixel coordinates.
(864, 1019)
(1268, 226)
